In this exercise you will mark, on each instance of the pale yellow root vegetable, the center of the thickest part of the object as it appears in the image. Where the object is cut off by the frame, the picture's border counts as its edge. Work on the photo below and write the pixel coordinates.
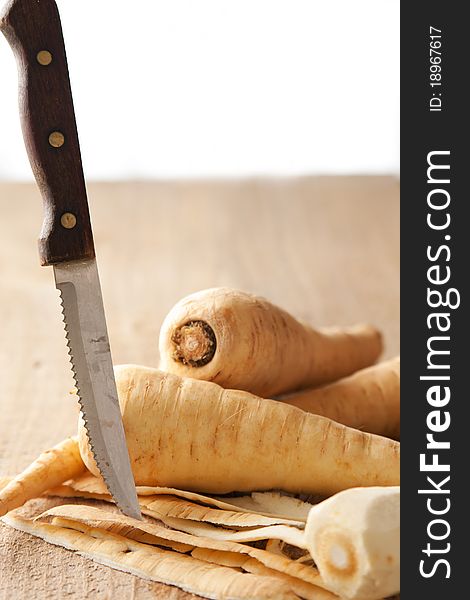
(197, 436)
(50, 469)
(368, 400)
(65, 490)
(154, 533)
(165, 566)
(244, 342)
(353, 538)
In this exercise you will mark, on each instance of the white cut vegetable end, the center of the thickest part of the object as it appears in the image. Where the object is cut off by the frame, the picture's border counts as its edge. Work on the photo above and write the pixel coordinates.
(354, 539)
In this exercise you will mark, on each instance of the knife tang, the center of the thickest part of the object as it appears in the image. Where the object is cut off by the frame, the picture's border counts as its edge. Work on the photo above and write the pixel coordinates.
(33, 30)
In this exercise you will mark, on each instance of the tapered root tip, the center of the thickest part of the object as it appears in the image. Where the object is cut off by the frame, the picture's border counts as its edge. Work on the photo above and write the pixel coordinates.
(194, 344)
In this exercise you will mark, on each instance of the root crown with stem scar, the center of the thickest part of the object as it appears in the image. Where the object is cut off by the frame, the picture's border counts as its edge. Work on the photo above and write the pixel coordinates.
(194, 343)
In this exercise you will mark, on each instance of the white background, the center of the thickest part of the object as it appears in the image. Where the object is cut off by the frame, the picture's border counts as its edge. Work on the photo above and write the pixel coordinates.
(194, 88)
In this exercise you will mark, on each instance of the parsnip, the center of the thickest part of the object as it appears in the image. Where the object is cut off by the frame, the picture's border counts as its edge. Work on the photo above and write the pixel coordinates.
(197, 436)
(368, 400)
(353, 538)
(51, 468)
(246, 511)
(242, 341)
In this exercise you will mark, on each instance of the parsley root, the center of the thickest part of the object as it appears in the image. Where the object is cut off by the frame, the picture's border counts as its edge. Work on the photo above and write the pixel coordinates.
(368, 400)
(197, 436)
(244, 342)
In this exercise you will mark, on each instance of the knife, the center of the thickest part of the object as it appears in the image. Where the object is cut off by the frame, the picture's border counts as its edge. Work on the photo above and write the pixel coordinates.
(33, 30)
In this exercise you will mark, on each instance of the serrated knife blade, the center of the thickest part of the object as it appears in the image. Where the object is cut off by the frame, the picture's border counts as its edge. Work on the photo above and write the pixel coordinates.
(34, 32)
(90, 354)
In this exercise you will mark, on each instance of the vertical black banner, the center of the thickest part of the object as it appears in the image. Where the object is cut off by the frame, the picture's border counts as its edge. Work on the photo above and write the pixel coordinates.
(434, 290)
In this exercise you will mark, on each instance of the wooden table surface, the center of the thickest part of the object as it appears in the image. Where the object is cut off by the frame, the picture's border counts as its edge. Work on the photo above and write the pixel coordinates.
(326, 249)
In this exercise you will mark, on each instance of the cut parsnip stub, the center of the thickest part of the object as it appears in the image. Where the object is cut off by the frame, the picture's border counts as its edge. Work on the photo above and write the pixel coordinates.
(354, 539)
(165, 566)
(50, 469)
(153, 533)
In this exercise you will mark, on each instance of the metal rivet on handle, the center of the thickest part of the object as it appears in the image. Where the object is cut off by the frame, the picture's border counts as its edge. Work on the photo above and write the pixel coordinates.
(68, 220)
(44, 57)
(56, 139)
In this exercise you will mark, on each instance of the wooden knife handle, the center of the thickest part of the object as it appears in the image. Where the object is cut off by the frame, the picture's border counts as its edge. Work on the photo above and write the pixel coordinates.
(34, 32)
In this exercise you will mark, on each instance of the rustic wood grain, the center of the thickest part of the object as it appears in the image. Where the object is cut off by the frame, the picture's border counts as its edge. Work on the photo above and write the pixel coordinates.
(326, 249)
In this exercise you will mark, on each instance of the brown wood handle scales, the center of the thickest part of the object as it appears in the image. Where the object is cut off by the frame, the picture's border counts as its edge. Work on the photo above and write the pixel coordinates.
(33, 30)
